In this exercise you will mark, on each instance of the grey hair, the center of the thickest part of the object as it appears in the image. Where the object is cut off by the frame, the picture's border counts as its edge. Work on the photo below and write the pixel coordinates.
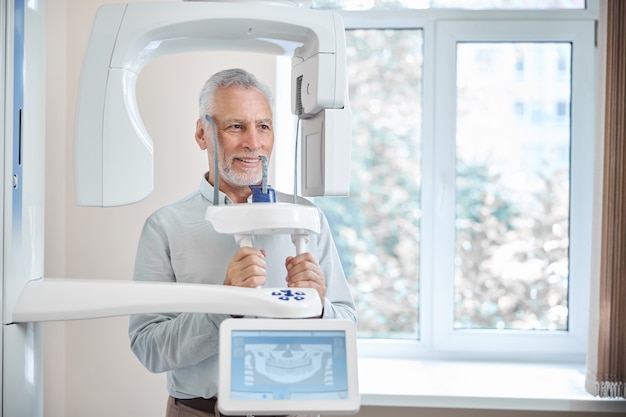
(227, 78)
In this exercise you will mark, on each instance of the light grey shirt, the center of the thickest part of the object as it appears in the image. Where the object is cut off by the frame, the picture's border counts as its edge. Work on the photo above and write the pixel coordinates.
(177, 244)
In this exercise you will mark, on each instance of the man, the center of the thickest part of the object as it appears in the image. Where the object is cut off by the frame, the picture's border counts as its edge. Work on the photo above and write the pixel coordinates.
(177, 244)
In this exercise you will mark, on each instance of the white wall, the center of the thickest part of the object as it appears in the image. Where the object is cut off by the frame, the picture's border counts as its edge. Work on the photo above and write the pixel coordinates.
(89, 369)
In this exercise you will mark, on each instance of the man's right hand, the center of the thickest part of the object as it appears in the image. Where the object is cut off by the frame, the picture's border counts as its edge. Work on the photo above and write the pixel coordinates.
(246, 268)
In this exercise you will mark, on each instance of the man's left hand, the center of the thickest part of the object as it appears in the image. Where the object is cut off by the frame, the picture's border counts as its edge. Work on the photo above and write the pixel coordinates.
(303, 271)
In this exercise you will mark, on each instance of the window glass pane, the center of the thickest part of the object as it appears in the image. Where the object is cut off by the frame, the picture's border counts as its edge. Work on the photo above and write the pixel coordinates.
(512, 208)
(447, 4)
(376, 228)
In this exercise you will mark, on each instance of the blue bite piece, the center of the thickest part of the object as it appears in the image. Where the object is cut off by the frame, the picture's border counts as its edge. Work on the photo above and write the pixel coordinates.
(258, 196)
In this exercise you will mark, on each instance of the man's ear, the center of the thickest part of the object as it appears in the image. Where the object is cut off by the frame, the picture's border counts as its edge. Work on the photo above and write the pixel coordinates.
(200, 135)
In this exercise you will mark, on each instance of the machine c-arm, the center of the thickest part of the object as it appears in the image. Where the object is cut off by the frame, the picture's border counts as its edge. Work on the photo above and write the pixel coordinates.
(113, 151)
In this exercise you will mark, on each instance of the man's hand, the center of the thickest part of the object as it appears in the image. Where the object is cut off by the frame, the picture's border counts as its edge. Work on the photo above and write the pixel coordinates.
(303, 271)
(246, 268)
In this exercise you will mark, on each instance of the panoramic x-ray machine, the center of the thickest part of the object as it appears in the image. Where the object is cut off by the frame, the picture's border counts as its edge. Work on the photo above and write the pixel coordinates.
(114, 166)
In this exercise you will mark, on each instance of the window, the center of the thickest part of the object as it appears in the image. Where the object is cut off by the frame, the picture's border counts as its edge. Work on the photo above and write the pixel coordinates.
(512, 205)
(383, 257)
(467, 231)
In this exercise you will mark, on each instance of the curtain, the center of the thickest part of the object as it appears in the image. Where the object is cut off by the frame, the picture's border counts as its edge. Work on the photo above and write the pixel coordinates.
(606, 361)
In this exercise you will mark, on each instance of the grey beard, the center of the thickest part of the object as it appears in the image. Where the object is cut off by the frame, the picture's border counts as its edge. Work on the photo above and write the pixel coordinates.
(240, 179)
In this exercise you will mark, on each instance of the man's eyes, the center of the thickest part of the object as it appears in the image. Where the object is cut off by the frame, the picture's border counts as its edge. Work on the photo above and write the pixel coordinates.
(242, 127)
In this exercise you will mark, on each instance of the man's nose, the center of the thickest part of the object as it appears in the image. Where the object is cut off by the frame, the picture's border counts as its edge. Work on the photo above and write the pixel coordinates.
(252, 139)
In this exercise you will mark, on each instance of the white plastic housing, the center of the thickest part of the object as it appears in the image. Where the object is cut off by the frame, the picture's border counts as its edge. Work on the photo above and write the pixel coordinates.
(113, 151)
(325, 155)
(264, 218)
(74, 299)
(245, 220)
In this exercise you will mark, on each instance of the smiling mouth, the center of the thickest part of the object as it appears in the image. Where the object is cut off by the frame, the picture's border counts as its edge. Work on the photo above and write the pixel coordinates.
(249, 160)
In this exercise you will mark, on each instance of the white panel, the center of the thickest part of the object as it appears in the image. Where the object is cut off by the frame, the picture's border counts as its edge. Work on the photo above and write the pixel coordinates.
(23, 352)
(326, 144)
(23, 209)
(127, 154)
(3, 114)
(90, 108)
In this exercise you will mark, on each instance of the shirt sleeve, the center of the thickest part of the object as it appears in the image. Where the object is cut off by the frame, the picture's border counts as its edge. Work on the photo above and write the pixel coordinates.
(163, 342)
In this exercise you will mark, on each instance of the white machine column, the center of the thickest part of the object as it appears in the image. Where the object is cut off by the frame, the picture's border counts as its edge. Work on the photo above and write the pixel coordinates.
(23, 144)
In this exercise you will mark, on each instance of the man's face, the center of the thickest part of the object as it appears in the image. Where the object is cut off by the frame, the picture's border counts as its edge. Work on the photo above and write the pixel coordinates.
(243, 121)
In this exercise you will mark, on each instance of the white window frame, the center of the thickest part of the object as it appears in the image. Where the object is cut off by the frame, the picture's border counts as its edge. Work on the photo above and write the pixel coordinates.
(581, 35)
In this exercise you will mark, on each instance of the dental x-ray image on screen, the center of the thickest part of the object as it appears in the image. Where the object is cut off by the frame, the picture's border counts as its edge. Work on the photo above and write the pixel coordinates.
(302, 367)
(283, 366)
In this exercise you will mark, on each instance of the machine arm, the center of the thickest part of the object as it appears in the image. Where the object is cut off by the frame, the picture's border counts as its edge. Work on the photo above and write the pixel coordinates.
(113, 151)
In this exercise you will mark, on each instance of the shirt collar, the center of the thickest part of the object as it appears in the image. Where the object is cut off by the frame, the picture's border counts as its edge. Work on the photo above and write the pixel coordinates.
(206, 189)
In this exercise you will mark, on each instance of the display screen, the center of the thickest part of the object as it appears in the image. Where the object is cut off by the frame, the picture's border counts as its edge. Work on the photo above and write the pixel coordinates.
(288, 365)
